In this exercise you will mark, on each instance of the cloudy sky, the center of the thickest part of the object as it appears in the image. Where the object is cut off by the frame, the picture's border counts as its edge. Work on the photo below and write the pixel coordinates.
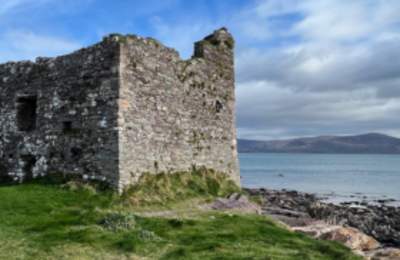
(303, 68)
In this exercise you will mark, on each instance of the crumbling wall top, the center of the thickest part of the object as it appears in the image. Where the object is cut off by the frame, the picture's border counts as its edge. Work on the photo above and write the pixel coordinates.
(220, 41)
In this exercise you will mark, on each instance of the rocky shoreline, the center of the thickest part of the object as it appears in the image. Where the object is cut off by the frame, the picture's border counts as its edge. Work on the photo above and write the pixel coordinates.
(309, 214)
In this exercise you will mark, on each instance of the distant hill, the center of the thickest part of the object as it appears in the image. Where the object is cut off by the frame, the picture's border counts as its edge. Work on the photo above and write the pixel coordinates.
(366, 143)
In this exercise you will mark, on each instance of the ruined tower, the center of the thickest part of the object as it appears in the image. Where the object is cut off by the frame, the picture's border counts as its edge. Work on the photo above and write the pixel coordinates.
(120, 108)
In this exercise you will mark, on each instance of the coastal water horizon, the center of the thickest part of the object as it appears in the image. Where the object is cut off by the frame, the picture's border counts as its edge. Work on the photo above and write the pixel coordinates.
(334, 177)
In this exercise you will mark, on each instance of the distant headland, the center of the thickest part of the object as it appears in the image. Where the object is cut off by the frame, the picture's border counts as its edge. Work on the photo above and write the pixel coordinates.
(370, 143)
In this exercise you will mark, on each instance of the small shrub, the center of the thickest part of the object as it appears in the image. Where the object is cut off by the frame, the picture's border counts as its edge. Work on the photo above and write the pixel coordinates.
(118, 221)
(213, 186)
(147, 235)
(79, 186)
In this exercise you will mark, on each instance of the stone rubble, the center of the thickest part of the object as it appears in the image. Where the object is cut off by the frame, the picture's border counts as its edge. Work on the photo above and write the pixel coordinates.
(372, 231)
(348, 236)
(236, 202)
(384, 254)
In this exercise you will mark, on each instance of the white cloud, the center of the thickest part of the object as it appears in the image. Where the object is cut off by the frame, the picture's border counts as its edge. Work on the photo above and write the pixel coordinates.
(340, 76)
(17, 45)
(7, 6)
(276, 7)
(337, 20)
(341, 20)
(267, 111)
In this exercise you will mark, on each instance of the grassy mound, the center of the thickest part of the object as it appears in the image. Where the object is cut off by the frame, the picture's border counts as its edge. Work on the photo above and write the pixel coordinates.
(51, 222)
(161, 189)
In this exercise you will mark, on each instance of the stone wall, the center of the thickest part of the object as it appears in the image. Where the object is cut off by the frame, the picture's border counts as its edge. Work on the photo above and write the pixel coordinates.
(59, 115)
(118, 109)
(175, 114)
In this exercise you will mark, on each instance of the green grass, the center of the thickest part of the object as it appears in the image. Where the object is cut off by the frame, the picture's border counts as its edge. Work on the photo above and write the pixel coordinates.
(49, 222)
(163, 189)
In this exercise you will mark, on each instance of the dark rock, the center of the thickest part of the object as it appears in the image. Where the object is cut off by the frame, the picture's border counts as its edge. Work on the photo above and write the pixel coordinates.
(382, 222)
(385, 254)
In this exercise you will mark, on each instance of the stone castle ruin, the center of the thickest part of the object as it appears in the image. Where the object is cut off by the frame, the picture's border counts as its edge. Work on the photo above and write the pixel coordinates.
(120, 108)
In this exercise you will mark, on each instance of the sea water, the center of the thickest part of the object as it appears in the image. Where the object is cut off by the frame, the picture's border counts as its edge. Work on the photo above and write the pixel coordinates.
(335, 177)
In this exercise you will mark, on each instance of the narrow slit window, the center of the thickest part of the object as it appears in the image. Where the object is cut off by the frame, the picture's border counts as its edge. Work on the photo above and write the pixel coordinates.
(67, 127)
(76, 153)
(26, 113)
(218, 106)
(29, 162)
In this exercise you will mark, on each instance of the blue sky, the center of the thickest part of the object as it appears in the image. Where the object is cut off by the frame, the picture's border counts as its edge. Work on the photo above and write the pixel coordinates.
(303, 68)
(83, 22)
